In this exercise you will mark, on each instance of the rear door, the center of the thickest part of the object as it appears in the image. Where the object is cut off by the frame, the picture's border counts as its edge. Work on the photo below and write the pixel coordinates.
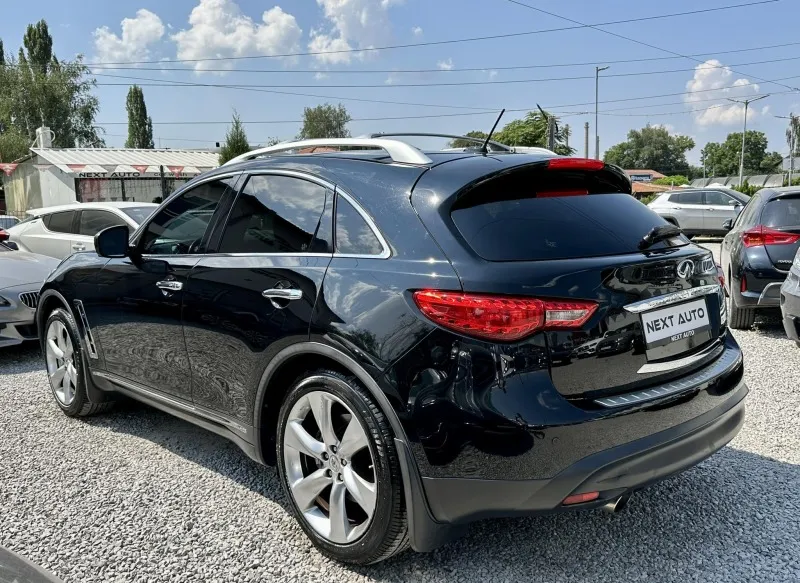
(254, 293)
(91, 222)
(719, 207)
(51, 235)
(567, 235)
(782, 215)
(689, 210)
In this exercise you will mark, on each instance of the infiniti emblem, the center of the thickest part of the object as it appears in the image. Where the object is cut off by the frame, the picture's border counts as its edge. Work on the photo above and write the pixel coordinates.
(686, 269)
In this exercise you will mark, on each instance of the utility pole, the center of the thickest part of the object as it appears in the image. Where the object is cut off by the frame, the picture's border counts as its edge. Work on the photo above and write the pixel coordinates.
(586, 140)
(747, 103)
(566, 135)
(551, 133)
(792, 144)
(596, 107)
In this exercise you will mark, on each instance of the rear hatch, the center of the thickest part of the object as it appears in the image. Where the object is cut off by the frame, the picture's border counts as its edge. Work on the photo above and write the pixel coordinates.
(571, 232)
(779, 231)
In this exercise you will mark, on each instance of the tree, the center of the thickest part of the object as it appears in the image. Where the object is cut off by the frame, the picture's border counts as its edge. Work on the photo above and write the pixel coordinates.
(723, 159)
(531, 131)
(792, 132)
(140, 125)
(325, 121)
(676, 180)
(653, 148)
(456, 143)
(36, 89)
(236, 142)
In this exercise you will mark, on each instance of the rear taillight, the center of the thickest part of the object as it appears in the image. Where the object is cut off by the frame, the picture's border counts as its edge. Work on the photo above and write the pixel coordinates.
(575, 164)
(501, 318)
(3, 235)
(761, 235)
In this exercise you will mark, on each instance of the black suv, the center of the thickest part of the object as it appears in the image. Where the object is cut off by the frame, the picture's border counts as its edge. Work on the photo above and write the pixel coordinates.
(416, 339)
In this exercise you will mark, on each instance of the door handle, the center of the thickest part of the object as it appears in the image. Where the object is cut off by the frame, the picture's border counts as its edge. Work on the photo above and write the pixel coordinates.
(169, 285)
(79, 247)
(281, 294)
(710, 208)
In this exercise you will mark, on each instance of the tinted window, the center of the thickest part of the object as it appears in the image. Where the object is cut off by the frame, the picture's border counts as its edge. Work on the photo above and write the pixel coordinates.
(92, 222)
(139, 214)
(278, 214)
(8, 222)
(782, 212)
(688, 198)
(716, 197)
(353, 234)
(747, 217)
(180, 226)
(556, 228)
(60, 222)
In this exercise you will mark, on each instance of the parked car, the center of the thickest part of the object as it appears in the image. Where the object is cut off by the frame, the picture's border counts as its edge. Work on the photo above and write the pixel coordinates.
(21, 277)
(17, 569)
(59, 231)
(700, 211)
(758, 251)
(378, 323)
(790, 301)
(7, 221)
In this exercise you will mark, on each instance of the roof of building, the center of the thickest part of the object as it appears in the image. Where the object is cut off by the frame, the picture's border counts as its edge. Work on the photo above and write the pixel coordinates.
(94, 159)
(653, 173)
(648, 188)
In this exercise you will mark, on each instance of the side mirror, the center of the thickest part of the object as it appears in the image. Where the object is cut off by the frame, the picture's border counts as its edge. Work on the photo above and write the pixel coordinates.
(11, 245)
(728, 224)
(112, 242)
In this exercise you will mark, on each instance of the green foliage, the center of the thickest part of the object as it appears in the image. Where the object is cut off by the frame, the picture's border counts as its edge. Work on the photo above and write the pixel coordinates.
(723, 159)
(325, 121)
(467, 143)
(648, 198)
(140, 125)
(793, 129)
(37, 89)
(653, 148)
(747, 188)
(236, 142)
(676, 180)
(531, 131)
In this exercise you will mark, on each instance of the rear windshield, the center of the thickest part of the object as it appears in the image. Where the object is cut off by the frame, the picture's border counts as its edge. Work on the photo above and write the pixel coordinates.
(564, 227)
(782, 212)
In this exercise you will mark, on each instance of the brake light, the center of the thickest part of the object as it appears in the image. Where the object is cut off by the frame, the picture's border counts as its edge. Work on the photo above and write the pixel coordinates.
(575, 164)
(3, 235)
(761, 235)
(559, 193)
(743, 284)
(504, 318)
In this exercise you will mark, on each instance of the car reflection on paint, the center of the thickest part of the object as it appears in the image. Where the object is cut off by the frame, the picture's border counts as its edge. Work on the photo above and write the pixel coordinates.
(616, 342)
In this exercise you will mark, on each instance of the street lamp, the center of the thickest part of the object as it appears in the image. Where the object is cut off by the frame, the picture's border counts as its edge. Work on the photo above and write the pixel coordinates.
(747, 103)
(596, 102)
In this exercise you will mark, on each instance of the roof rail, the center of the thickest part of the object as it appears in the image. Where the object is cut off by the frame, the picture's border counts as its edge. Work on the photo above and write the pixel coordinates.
(495, 145)
(398, 151)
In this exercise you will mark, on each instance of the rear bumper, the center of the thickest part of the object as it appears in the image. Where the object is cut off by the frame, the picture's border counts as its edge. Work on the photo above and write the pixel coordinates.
(790, 308)
(613, 472)
(763, 288)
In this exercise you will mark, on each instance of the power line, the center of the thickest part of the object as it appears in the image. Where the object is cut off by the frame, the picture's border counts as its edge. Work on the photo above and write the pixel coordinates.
(446, 42)
(627, 38)
(453, 70)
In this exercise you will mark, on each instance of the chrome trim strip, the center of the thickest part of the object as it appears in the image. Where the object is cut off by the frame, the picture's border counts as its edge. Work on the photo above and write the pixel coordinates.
(169, 401)
(729, 360)
(88, 337)
(673, 298)
(652, 367)
(766, 289)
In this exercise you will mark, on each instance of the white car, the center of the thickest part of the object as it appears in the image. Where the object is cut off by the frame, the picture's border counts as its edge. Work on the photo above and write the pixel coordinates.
(60, 231)
(700, 211)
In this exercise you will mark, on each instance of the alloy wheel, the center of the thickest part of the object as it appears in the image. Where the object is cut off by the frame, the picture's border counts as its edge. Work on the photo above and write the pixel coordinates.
(60, 363)
(330, 467)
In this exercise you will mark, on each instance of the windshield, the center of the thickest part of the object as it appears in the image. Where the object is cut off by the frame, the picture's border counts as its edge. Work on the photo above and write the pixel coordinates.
(139, 214)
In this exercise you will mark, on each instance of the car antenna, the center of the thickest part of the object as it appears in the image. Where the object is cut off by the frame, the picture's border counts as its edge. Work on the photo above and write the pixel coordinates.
(485, 147)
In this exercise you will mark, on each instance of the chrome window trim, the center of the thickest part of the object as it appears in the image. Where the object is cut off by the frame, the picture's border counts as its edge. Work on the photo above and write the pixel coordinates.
(672, 298)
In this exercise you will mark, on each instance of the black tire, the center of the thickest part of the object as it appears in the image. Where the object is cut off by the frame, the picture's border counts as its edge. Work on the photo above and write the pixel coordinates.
(80, 406)
(387, 533)
(740, 318)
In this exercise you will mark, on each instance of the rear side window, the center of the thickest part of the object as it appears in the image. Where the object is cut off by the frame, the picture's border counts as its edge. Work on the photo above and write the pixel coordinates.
(688, 198)
(279, 214)
(353, 235)
(782, 212)
(508, 220)
(92, 222)
(60, 222)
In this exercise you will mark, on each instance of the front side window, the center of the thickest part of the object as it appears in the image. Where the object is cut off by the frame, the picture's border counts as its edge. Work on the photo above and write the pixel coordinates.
(92, 222)
(179, 228)
(279, 214)
(60, 222)
(717, 198)
(353, 234)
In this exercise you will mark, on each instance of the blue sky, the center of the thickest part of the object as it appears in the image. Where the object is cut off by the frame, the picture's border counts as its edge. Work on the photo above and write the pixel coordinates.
(147, 30)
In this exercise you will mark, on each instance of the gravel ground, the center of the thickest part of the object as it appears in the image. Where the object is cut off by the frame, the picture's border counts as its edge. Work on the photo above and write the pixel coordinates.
(140, 496)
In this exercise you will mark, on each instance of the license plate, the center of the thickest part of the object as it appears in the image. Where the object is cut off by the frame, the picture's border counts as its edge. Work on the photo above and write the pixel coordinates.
(675, 323)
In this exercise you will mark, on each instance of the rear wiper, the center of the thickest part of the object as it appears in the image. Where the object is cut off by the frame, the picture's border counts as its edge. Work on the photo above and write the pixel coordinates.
(659, 233)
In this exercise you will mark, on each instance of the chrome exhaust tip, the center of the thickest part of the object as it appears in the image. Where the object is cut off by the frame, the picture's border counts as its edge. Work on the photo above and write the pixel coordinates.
(617, 505)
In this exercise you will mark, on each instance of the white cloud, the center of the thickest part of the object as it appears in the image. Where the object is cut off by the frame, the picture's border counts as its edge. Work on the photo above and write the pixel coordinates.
(320, 76)
(491, 73)
(417, 31)
(353, 24)
(138, 34)
(219, 29)
(667, 126)
(445, 65)
(710, 80)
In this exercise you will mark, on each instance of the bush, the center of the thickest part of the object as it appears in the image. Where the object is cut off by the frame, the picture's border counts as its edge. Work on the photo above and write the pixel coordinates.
(648, 198)
(747, 188)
